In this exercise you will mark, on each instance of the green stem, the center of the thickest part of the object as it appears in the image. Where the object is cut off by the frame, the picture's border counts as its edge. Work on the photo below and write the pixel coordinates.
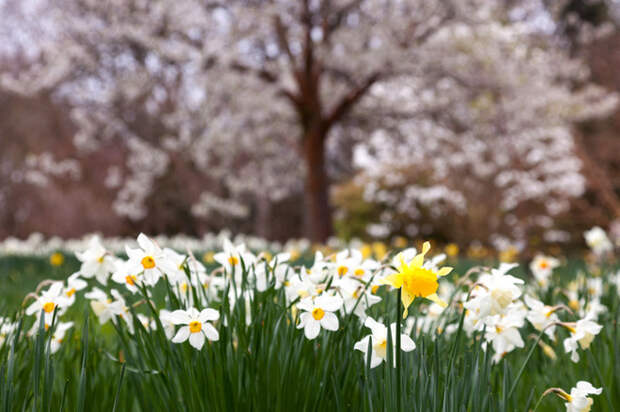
(539, 402)
(397, 348)
(529, 355)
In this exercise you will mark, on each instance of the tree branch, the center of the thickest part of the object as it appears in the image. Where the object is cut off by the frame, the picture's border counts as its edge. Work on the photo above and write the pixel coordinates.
(347, 102)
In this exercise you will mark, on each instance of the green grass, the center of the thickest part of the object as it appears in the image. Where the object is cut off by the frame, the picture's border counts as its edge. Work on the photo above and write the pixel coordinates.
(270, 365)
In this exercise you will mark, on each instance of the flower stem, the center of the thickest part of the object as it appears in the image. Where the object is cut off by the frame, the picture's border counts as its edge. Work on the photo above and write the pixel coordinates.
(397, 348)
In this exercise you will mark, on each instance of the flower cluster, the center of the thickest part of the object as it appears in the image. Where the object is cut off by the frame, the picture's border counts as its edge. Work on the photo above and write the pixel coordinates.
(496, 306)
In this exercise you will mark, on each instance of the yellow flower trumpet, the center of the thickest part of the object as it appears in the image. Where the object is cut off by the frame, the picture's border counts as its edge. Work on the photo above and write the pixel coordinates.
(416, 280)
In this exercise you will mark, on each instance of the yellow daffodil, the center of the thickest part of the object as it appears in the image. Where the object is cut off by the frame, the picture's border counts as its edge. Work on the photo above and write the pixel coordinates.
(57, 259)
(452, 250)
(416, 280)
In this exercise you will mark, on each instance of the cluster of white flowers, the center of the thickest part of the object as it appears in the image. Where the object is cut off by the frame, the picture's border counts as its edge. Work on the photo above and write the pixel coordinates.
(322, 295)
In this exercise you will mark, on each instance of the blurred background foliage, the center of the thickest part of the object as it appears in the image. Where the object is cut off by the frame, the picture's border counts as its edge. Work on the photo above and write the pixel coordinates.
(41, 192)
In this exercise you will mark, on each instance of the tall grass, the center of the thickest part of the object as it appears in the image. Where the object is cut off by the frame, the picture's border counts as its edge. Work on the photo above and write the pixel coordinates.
(269, 365)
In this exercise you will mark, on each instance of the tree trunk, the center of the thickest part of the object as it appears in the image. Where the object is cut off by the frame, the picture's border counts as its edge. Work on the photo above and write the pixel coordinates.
(317, 212)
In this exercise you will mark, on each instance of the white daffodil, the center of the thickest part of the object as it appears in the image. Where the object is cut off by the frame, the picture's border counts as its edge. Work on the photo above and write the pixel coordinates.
(582, 334)
(48, 301)
(149, 259)
(578, 399)
(127, 274)
(166, 323)
(299, 287)
(277, 263)
(318, 313)
(597, 240)
(6, 329)
(541, 316)
(125, 314)
(213, 285)
(319, 270)
(104, 307)
(232, 257)
(176, 271)
(74, 283)
(497, 291)
(59, 335)
(96, 261)
(195, 327)
(542, 267)
(378, 342)
(593, 309)
(348, 262)
(594, 286)
(503, 333)
(356, 297)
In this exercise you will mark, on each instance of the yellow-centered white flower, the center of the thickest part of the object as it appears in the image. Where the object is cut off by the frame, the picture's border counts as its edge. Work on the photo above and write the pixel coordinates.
(379, 340)
(196, 326)
(318, 313)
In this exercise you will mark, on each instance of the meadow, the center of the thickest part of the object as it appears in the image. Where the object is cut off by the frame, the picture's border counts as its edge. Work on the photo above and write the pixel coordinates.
(237, 328)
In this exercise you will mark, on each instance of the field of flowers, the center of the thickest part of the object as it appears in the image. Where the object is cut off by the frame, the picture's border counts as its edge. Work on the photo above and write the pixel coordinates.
(178, 324)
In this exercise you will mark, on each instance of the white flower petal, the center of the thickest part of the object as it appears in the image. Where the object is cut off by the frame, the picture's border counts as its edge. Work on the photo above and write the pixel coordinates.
(406, 343)
(197, 340)
(182, 335)
(208, 314)
(312, 329)
(179, 317)
(210, 332)
(329, 321)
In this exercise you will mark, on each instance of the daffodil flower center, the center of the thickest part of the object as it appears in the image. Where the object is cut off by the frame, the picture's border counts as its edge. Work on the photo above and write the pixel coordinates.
(359, 272)
(195, 326)
(148, 262)
(233, 260)
(380, 348)
(130, 279)
(586, 340)
(420, 282)
(70, 292)
(48, 307)
(342, 270)
(318, 313)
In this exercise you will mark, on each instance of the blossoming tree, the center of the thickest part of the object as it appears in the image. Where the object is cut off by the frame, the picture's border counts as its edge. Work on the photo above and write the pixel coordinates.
(268, 98)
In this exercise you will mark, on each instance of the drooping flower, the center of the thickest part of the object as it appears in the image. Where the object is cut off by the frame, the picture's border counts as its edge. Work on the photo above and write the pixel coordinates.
(416, 281)
(196, 326)
(378, 342)
(541, 316)
(582, 334)
(578, 399)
